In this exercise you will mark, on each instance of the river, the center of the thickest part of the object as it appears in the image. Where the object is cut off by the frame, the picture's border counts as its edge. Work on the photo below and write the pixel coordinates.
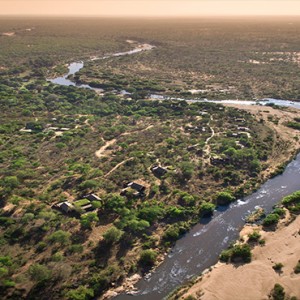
(199, 249)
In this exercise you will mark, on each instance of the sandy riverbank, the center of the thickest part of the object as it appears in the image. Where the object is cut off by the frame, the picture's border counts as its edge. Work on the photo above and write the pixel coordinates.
(255, 280)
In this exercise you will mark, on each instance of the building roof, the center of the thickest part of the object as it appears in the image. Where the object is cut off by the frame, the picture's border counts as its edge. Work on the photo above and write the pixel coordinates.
(157, 170)
(65, 206)
(136, 186)
(92, 197)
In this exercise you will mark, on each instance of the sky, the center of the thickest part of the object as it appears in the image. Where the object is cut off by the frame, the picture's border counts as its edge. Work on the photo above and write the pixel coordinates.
(149, 8)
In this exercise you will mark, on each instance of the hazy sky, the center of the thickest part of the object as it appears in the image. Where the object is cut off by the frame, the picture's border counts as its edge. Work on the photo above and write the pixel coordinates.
(150, 7)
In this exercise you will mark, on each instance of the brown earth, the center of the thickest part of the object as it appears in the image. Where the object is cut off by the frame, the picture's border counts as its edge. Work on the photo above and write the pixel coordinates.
(255, 280)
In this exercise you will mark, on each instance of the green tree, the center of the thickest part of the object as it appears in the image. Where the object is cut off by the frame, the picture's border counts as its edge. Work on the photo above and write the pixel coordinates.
(187, 170)
(271, 219)
(224, 198)
(88, 184)
(148, 257)
(39, 273)
(114, 202)
(60, 237)
(113, 235)
(278, 292)
(88, 219)
(81, 293)
(150, 213)
(10, 182)
(206, 209)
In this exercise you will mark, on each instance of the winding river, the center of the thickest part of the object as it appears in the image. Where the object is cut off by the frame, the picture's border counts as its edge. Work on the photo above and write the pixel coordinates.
(200, 247)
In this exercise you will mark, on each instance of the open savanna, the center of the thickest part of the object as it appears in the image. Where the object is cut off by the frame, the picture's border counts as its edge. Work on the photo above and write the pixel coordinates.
(60, 143)
(224, 58)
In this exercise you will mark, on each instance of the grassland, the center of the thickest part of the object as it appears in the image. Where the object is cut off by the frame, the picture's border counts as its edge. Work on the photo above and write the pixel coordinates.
(61, 143)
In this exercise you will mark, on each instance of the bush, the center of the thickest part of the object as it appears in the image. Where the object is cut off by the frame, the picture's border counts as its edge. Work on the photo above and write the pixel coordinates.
(292, 202)
(297, 268)
(279, 211)
(278, 292)
(148, 257)
(172, 233)
(151, 213)
(81, 293)
(39, 273)
(239, 251)
(278, 266)
(60, 237)
(206, 209)
(254, 236)
(41, 246)
(88, 184)
(76, 248)
(113, 235)
(271, 219)
(224, 198)
(87, 220)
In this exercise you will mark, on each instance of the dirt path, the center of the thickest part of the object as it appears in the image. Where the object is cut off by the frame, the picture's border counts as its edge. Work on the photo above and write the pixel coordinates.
(117, 166)
(100, 153)
(206, 148)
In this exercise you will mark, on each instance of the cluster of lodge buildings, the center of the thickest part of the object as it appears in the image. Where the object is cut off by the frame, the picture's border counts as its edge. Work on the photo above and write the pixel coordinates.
(85, 205)
(81, 206)
(137, 189)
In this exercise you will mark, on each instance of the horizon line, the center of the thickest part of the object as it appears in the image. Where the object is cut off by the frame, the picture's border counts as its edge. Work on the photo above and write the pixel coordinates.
(147, 16)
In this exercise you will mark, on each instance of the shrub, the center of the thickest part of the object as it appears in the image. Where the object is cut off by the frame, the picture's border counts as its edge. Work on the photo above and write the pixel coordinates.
(113, 235)
(292, 202)
(151, 213)
(39, 273)
(88, 184)
(41, 246)
(87, 220)
(10, 182)
(148, 257)
(114, 202)
(76, 248)
(297, 268)
(224, 198)
(81, 293)
(271, 219)
(60, 237)
(172, 233)
(254, 236)
(278, 266)
(225, 255)
(278, 292)
(239, 251)
(206, 209)
(279, 211)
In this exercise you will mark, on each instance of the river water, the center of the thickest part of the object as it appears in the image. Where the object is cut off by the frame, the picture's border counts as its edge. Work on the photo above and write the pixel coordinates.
(199, 249)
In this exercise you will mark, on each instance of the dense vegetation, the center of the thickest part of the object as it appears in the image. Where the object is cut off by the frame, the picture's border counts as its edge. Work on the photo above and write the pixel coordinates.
(49, 135)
